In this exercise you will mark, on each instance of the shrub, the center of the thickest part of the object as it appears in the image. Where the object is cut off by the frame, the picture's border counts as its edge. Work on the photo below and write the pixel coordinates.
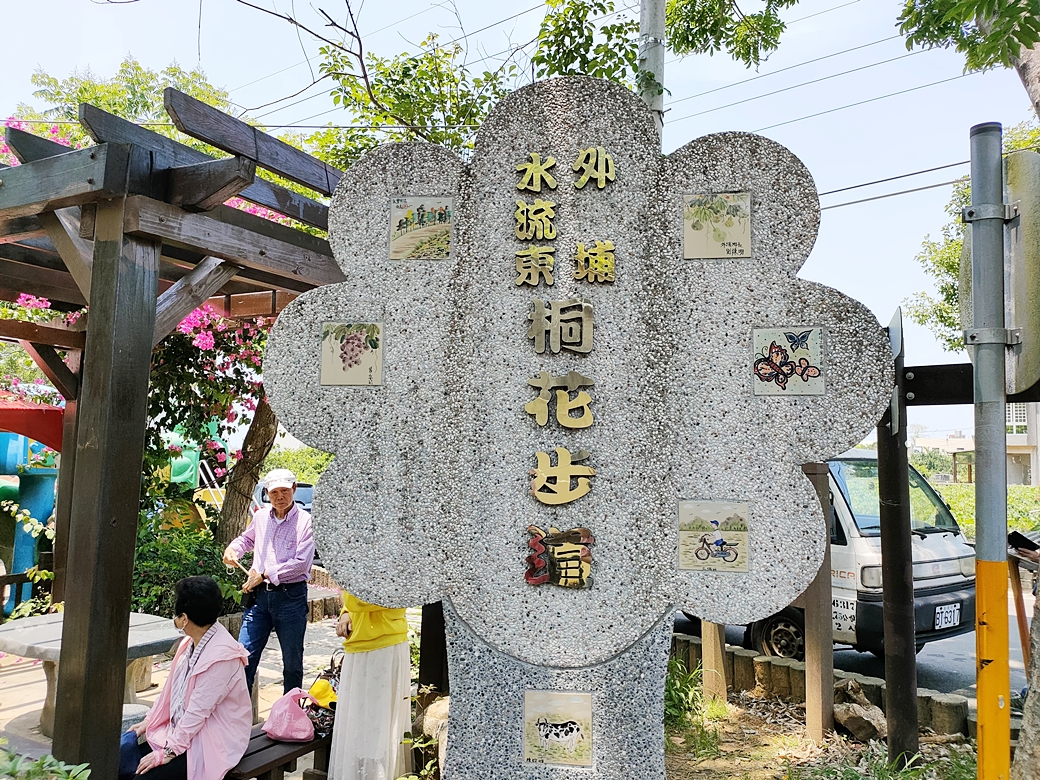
(306, 463)
(16, 767)
(166, 555)
(1023, 506)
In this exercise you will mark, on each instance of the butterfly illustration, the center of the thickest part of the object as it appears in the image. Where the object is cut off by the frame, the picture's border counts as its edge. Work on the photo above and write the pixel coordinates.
(774, 366)
(798, 340)
(805, 371)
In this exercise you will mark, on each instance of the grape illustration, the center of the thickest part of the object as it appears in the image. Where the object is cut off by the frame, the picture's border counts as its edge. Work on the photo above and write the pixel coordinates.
(351, 348)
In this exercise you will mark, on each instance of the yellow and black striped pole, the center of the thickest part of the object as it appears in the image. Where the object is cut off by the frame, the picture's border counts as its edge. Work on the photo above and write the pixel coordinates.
(988, 339)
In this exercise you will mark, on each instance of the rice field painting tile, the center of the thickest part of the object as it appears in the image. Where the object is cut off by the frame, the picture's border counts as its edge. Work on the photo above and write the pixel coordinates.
(420, 227)
(352, 353)
(788, 361)
(713, 536)
(717, 226)
(558, 728)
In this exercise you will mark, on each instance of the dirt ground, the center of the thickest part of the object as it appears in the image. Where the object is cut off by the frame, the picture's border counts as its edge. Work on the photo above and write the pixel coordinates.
(765, 739)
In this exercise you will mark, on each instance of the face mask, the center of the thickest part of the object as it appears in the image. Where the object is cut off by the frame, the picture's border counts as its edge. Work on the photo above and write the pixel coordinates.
(176, 628)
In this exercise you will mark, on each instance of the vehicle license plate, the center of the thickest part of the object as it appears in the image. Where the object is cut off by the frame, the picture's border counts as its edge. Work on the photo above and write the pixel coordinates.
(947, 615)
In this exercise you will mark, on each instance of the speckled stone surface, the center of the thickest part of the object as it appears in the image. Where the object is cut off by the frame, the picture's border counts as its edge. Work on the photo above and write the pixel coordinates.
(485, 728)
(428, 497)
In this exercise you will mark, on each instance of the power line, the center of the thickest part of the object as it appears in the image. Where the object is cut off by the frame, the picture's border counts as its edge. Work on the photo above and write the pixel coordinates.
(782, 70)
(864, 102)
(893, 178)
(889, 194)
(797, 86)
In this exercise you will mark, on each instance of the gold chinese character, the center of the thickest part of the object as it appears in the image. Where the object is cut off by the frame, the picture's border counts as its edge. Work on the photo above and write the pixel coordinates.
(596, 263)
(568, 323)
(535, 173)
(560, 557)
(534, 263)
(552, 484)
(534, 220)
(594, 162)
(539, 407)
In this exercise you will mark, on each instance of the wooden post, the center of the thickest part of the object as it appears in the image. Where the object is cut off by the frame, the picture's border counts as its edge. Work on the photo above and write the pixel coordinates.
(66, 477)
(713, 660)
(1020, 608)
(819, 633)
(433, 650)
(106, 494)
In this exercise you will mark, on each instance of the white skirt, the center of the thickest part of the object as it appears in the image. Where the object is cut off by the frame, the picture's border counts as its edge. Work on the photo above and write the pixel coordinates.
(373, 712)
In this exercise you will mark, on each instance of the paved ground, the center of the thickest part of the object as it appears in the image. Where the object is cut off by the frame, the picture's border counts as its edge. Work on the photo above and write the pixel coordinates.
(23, 686)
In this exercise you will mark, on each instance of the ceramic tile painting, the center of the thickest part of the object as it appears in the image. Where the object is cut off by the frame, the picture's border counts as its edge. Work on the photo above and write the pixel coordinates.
(717, 226)
(420, 227)
(713, 536)
(788, 361)
(558, 728)
(352, 353)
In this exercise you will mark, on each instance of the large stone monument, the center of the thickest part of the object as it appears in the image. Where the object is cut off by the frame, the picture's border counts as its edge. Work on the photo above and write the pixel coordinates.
(569, 385)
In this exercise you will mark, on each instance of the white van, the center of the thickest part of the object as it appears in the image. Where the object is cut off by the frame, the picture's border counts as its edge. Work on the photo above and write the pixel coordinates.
(944, 567)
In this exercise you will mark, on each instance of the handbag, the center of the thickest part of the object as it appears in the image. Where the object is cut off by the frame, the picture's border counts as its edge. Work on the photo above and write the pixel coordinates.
(288, 721)
(325, 688)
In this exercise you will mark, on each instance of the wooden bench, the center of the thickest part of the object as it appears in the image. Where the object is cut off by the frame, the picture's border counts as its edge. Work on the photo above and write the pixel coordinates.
(266, 759)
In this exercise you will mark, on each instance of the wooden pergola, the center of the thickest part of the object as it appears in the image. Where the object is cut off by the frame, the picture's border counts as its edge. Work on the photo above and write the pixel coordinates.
(136, 227)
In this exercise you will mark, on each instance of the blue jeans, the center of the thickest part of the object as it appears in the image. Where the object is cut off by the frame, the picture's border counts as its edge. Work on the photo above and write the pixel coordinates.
(286, 612)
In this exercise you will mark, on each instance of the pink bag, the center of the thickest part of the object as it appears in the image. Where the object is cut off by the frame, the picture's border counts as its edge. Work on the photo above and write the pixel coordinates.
(288, 721)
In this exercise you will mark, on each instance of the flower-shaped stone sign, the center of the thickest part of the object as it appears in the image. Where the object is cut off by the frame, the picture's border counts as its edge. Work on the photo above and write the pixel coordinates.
(578, 395)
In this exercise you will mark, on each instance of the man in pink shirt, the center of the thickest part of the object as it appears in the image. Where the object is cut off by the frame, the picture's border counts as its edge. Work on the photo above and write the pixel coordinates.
(282, 542)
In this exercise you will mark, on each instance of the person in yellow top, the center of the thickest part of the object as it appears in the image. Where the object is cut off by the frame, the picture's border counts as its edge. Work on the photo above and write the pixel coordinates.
(373, 707)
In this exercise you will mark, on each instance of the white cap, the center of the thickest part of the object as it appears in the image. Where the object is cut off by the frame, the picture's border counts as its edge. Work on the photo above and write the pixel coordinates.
(279, 478)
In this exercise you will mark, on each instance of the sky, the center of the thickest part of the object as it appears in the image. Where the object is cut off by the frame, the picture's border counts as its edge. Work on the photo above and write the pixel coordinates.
(835, 53)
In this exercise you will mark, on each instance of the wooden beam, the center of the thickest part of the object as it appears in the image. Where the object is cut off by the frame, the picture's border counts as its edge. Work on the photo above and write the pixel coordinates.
(54, 368)
(113, 406)
(206, 185)
(149, 218)
(188, 293)
(62, 338)
(83, 176)
(19, 229)
(62, 228)
(38, 281)
(104, 127)
(216, 128)
(29, 148)
(66, 479)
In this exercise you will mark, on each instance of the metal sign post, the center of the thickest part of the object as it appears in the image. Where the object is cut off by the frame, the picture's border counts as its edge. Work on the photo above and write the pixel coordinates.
(988, 339)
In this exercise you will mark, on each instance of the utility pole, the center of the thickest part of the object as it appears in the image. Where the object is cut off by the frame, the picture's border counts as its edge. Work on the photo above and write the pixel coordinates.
(897, 567)
(988, 339)
(651, 57)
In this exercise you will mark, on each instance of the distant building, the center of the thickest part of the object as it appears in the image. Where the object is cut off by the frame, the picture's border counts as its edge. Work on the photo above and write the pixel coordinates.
(1023, 458)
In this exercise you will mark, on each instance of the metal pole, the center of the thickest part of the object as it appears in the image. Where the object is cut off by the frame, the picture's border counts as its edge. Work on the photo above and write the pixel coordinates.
(988, 340)
(651, 57)
(897, 569)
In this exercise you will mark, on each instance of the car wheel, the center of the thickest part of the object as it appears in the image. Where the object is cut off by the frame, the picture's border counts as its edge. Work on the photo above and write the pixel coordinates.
(781, 635)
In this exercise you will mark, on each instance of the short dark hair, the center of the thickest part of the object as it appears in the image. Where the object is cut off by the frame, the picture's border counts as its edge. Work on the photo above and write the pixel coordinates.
(199, 598)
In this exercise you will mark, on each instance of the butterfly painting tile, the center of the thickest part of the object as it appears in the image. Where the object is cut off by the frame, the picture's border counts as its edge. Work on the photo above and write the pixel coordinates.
(788, 361)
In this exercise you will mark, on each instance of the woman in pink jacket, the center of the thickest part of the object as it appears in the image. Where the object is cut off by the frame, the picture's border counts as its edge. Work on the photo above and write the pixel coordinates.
(199, 727)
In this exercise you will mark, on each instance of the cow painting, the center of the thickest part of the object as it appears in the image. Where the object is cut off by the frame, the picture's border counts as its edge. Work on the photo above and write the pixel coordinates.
(567, 734)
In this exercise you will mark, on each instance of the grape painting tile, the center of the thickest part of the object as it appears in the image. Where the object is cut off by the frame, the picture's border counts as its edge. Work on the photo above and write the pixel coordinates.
(713, 536)
(717, 226)
(352, 353)
(788, 361)
(420, 227)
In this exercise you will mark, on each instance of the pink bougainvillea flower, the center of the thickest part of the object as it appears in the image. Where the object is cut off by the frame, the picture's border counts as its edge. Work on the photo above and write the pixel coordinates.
(221, 457)
(203, 340)
(219, 471)
(32, 302)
